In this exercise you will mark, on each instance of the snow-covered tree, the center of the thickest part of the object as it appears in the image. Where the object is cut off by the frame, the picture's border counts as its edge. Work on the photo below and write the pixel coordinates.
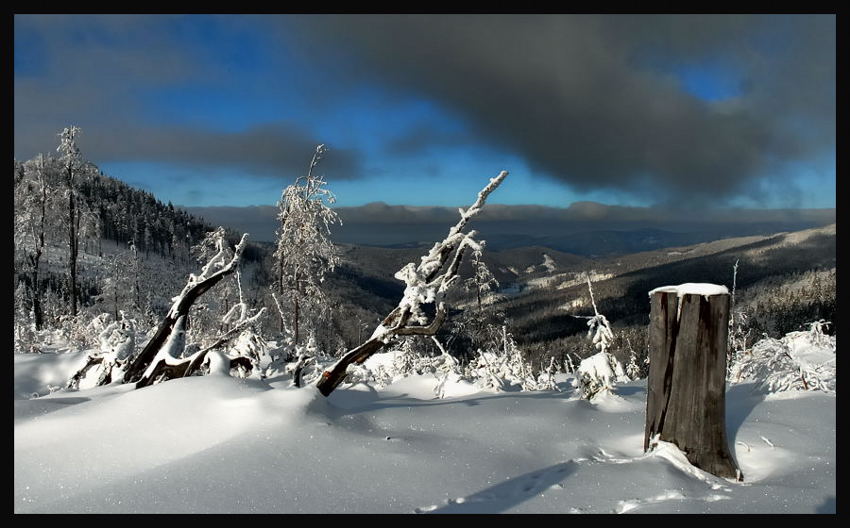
(135, 277)
(737, 342)
(24, 334)
(633, 369)
(638, 364)
(502, 367)
(34, 220)
(569, 363)
(546, 379)
(482, 280)
(601, 370)
(595, 374)
(304, 252)
(445, 366)
(252, 345)
(517, 369)
(425, 284)
(72, 165)
(305, 356)
(115, 284)
(116, 339)
(405, 361)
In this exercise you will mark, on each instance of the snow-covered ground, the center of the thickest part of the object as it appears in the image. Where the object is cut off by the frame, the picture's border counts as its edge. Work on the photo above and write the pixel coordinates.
(222, 444)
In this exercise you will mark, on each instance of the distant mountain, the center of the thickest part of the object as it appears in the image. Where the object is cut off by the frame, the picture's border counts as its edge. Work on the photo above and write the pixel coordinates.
(584, 228)
(541, 289)
(543, 305)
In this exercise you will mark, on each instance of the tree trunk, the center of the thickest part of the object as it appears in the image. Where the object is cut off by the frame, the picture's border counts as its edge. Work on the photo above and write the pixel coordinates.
(72, 243)
(36, 299)
(395, 323)
(36, 292)
(686, 396)
(140, 364)
(295, 319)
(333, 377)
(74, 382)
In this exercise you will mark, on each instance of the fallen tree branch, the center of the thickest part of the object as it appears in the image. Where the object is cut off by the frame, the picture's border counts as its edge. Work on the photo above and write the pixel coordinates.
(196, 287)
(174, 367)
(426, 283)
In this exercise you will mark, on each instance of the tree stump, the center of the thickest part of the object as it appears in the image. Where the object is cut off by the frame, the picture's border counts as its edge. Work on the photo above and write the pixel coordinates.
(686, 390)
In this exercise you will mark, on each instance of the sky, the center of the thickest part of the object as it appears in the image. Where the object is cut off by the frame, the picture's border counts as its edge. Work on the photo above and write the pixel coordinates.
(636, 110)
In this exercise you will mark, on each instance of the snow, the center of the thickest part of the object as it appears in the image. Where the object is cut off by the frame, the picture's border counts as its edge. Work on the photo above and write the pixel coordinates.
(220, 444)
(547, 265)
(597, 366)
(693, 288)
(796, 362)
(37, 373)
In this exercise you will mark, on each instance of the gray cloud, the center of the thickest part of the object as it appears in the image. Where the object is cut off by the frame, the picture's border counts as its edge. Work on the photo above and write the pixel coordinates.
(423, 137)
(97, 68)
(267, 151)
(588, 100)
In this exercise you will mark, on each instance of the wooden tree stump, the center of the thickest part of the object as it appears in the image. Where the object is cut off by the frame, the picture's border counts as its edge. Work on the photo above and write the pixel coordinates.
(686, 390)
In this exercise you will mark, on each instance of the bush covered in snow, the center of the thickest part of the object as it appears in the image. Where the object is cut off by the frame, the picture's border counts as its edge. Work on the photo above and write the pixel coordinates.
(117, 343)
(599, 372)
(499, 369)
(797, 361)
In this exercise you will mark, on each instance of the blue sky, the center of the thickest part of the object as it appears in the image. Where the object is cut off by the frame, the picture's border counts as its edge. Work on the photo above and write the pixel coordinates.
(212, 110)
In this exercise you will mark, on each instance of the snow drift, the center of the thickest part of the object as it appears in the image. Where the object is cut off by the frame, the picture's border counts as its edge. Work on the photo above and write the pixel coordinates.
(219, 444)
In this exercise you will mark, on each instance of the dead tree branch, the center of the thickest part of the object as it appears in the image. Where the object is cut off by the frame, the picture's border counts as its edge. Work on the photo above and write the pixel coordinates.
(197, 286)
(427, 283)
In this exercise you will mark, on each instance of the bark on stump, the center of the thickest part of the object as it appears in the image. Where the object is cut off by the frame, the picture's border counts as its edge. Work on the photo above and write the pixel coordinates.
(686, 390)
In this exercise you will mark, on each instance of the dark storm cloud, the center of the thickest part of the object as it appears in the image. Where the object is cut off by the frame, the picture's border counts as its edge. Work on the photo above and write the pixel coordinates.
(590, 100)
(587, 100)
(424, 137)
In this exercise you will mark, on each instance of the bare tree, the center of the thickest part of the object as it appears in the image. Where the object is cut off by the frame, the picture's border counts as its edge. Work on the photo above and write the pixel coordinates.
(427, 283)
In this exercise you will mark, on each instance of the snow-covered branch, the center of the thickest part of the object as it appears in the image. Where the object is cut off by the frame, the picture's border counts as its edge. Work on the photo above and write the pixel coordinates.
(218, 266)
(426, 283)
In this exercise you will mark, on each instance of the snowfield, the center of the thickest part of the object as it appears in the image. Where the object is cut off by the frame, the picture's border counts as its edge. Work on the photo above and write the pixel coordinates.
(219, 444)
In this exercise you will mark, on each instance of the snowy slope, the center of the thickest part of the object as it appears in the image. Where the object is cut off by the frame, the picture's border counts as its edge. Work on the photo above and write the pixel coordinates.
(220, 444)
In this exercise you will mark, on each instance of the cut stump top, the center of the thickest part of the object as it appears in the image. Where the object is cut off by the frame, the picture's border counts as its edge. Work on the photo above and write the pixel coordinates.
(693, 288)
